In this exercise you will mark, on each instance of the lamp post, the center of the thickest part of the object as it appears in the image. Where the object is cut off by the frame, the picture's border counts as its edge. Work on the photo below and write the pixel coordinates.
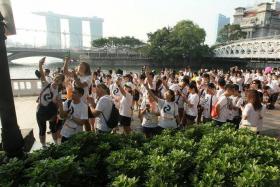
(12, 140)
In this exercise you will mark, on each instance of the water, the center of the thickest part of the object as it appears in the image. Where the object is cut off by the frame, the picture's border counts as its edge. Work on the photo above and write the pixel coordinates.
(25, 68)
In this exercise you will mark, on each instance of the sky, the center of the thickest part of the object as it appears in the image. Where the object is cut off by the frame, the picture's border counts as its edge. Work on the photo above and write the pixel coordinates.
(129, 17)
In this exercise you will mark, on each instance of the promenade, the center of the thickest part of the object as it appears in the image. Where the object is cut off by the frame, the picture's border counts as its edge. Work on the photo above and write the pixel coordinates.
(26, 110)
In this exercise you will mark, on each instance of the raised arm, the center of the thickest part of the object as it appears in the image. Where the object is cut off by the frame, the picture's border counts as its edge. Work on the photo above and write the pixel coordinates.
(65, 66)
(61, 112)
(41, 63)
(150, 92)
(118, 82)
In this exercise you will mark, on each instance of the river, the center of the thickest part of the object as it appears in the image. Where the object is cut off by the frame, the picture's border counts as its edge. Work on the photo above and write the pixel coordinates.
(25, 68)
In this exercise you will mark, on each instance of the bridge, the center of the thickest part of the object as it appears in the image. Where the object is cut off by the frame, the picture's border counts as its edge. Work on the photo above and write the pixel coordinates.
(267, 48)
(77, 54)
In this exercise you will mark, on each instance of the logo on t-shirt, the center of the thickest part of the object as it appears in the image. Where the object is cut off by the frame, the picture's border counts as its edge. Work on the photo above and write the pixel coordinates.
(116, 91)
(48, 97)
(71, 110)
(167, 108)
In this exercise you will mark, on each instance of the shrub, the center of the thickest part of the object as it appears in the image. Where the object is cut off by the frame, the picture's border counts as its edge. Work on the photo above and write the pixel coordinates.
(202, 155)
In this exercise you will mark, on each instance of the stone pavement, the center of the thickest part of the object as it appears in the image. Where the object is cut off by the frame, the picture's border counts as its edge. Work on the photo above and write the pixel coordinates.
(26, 110)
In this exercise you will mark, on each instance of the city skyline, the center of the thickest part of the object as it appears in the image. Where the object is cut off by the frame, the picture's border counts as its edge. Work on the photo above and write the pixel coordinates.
(132, 17)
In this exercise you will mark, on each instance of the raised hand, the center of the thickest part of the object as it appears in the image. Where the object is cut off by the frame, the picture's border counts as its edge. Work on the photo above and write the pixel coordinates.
(42, 61)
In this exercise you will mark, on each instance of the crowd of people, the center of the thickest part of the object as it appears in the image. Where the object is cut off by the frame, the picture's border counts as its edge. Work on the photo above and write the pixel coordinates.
(73, 100)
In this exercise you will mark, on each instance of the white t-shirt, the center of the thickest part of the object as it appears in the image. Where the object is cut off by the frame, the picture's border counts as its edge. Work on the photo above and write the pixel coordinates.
(220, 92)
(194, 100)
(79, 111)
(85, 79)
(49, 79)
(104, 105)
(126, 105)
(180, 99)
(206, 105)
(225, 112)
(236, 102)
(168, 112)
(116, 94)
(255, 118)
(48, 94)
(150, 119)
(248, 78)
(274, 85)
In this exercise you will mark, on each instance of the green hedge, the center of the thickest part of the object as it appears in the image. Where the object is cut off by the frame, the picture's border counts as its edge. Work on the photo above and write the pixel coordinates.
(199, 156)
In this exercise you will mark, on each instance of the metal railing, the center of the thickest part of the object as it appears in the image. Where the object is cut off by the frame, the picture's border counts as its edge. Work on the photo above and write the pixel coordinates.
(26, 87)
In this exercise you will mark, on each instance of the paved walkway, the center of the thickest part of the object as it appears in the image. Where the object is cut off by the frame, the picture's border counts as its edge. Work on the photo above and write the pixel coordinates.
(26, 109)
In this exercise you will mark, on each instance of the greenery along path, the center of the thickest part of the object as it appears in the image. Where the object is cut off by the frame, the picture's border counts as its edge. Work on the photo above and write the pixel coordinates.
(199, 156)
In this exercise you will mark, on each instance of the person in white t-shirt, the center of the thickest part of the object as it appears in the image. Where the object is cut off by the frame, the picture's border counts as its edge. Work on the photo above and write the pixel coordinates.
(253, 111)
(82, 79)
(102, 109)
(169, 116)
(75, 113)
(208, 103)
(237, 102)
(47, 104)
(221, 84)
(149, 113)
(224, 106)
(191, 103)
(275, 90)
(126, 102)
(183, 91)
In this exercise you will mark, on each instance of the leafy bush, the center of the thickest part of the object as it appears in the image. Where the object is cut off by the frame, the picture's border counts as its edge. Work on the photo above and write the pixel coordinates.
(202, 155)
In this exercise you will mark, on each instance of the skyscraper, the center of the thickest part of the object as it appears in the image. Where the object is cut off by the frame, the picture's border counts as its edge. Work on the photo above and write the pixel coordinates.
(96, 28)
(222, 21)
(53, 25)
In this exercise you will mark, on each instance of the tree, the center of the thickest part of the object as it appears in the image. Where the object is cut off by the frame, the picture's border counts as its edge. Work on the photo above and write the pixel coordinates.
(184, 40)
(126, 41)
(229, 33)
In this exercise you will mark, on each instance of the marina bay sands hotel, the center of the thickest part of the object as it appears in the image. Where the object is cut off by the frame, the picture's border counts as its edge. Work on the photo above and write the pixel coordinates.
(75, 29)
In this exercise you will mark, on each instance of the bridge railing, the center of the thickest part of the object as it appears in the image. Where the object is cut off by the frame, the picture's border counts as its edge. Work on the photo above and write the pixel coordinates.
(26, 87)
(248, 39)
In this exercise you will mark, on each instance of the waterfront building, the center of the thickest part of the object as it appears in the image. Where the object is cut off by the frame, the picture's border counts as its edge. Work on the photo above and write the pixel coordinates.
(259, 21)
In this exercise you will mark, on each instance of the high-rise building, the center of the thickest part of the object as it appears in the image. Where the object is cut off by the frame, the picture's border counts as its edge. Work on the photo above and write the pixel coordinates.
(76, 32)
(259, 21)
(53, 29)
(75, 29)
(96, 28)
(222, 21)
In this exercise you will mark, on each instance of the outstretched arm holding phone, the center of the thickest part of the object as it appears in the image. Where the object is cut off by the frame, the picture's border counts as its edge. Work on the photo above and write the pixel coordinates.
(41, 63)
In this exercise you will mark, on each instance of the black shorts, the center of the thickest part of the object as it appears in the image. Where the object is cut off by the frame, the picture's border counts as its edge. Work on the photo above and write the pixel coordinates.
(218, 123)
(44, 114)
(191, 118)
(125, 121)
(90, 115)
(149, 130)
(47, 112)
(136, 97)
(64, 139)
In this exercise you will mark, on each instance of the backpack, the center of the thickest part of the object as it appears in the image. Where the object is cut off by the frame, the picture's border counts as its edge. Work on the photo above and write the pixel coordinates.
(113, 120)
